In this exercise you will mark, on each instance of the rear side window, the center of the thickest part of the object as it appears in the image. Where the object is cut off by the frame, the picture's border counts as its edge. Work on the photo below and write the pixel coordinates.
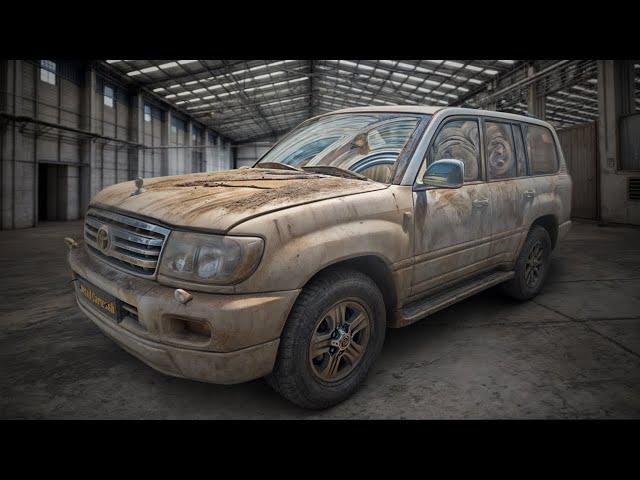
(541, 150)
(501, 153)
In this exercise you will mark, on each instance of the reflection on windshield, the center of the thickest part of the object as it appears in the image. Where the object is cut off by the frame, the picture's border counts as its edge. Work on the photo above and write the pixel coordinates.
(365, 143)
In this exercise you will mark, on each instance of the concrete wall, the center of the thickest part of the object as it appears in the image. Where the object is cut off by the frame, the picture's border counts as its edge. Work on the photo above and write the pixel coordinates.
(125, 144)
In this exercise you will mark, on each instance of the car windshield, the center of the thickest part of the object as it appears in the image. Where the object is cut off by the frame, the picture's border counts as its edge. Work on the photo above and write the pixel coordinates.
(367, 144)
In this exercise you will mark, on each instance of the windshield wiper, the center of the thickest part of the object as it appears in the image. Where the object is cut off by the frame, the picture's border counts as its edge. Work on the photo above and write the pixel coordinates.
(337, 171)
(281, 166)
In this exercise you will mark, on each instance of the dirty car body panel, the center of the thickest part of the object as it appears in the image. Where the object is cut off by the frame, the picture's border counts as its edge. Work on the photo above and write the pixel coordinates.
(421, 240)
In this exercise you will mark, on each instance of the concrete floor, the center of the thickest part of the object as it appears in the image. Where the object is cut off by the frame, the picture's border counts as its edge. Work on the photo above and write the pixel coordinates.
(573, 352)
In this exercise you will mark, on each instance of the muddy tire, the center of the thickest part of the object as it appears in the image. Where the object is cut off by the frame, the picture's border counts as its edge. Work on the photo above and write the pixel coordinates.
(532, 266)
(334, 333)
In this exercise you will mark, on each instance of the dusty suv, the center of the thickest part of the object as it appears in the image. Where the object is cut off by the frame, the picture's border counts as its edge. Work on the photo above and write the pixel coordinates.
(356, 221)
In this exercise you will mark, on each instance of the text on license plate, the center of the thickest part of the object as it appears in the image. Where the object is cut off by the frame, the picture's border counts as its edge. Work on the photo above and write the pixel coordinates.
(108, 306)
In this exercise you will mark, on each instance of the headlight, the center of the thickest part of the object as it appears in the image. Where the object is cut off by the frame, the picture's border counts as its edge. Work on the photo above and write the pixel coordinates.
(214, 259)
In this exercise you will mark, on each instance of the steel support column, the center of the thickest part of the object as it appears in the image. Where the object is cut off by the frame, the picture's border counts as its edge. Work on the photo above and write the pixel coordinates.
(616, 98)
(536, 101)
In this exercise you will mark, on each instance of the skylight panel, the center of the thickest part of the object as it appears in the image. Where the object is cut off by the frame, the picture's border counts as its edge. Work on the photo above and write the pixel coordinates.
(166, 66)
(449, 63)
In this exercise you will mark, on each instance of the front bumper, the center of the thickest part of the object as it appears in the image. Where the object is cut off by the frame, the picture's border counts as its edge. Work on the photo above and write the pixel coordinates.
(245, 329)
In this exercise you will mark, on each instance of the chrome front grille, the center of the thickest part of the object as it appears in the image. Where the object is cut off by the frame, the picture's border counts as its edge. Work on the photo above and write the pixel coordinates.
(126, 242)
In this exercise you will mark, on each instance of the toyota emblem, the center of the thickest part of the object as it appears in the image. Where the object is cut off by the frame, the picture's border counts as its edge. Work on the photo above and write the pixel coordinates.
(103, 239)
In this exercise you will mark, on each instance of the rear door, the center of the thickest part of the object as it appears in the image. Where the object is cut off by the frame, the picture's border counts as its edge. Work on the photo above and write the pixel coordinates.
(543, 164)
(510, 189)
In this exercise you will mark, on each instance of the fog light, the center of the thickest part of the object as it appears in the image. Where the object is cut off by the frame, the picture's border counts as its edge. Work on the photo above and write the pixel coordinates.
(182, 296)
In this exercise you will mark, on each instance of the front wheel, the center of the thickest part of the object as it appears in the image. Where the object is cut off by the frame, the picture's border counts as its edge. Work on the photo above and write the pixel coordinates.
(333, 335)
(532, 266)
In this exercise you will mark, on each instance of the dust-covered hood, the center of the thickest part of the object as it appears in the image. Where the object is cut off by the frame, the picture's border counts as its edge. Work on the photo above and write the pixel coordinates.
(219, 200)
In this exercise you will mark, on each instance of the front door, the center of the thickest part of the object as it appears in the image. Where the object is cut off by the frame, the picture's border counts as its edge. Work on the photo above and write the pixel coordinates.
(452, 226)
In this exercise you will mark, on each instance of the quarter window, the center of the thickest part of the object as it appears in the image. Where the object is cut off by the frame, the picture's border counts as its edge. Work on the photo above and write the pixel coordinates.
(459, 140)
(108, 96)
(500, 151)
(541, 150)
(48, 71)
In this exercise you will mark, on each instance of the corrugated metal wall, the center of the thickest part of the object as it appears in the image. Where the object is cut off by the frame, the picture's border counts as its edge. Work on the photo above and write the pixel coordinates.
(580, 149)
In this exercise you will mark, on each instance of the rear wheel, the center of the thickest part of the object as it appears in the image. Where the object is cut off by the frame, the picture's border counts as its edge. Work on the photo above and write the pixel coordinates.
(532, 266)
(333, 335)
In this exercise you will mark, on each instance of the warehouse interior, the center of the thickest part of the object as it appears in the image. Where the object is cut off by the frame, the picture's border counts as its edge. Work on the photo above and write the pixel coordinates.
(69, 128)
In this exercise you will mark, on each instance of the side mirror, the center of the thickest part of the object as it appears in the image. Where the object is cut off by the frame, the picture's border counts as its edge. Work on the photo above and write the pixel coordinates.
(446, 173)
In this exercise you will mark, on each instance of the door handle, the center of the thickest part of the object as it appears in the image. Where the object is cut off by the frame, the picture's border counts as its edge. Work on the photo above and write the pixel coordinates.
(529, 193)
(481, 203)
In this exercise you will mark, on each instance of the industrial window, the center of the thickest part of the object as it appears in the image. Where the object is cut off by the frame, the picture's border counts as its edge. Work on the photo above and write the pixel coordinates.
(500, 151)
(48, 71)
(108, 96)
(459, 140)
(541, 150)
(147, 113)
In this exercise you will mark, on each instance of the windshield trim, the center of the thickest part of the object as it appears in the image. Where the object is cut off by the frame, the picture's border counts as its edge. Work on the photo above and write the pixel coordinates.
(404, 156)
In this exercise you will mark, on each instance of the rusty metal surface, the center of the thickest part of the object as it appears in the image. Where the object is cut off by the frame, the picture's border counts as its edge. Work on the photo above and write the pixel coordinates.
(580, 148)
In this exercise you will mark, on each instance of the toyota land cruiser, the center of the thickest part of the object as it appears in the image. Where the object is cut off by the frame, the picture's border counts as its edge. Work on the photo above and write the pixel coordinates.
(357, 220)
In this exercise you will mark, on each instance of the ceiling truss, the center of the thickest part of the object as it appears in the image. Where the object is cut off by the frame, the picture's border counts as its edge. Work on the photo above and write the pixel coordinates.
(246, 100)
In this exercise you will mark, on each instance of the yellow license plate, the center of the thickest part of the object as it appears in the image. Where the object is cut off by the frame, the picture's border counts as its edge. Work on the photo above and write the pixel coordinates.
(104, 302)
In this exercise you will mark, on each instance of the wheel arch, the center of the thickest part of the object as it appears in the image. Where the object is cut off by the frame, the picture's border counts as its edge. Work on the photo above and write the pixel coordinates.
(374, 267)
(550, 224)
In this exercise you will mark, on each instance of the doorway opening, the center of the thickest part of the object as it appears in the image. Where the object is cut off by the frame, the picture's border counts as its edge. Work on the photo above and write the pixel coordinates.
(52, 193)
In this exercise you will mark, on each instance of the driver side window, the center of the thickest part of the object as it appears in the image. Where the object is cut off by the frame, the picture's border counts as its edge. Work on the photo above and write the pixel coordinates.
(458, 140)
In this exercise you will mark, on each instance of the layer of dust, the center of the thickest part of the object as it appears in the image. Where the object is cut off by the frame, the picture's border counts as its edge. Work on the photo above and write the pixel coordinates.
(204, 183)
(193, 180)
(298, 189)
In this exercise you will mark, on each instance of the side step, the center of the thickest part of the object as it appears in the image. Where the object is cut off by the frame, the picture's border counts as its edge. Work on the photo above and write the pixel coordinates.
(421, 308)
